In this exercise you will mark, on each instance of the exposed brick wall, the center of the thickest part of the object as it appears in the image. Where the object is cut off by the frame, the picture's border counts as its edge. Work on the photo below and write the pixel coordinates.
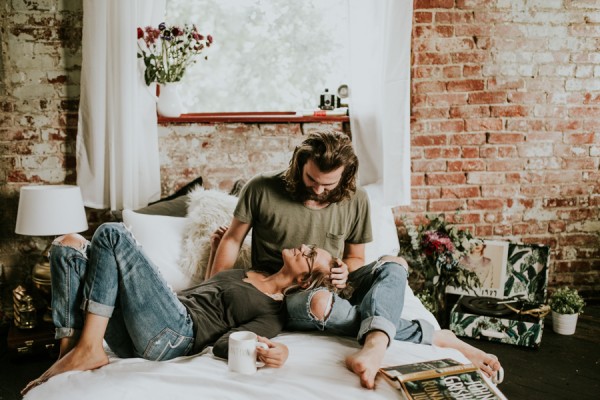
(505, 104)
(224, 153)
(505, 111)
(40, 44)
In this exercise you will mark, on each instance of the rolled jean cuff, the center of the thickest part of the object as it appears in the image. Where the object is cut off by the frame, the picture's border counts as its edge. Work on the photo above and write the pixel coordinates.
(427, 331)
(376, 323)
(60, 333)
(97, 308)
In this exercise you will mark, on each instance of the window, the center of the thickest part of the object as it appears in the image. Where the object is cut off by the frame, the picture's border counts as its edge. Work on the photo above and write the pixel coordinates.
(267, 55)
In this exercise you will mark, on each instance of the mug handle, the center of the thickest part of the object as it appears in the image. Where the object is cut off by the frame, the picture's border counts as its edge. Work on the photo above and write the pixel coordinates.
(260, 364)
(499, 378)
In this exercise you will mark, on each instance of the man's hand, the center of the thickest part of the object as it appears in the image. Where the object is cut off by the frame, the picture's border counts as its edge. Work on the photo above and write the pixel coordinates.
(217, 235)
(339, 274)
(275, 356)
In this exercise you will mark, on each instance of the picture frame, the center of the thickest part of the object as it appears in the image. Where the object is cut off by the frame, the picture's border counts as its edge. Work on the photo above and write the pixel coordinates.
(488, 259)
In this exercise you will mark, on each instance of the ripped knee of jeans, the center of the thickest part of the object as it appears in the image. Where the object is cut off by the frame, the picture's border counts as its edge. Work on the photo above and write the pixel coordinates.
(321, 303)
(74, 240)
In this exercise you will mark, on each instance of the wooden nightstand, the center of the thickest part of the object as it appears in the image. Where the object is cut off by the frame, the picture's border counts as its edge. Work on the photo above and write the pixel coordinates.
(32, 342)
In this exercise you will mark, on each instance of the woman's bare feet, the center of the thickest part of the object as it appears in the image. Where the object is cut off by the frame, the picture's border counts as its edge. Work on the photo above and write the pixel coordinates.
(366, 362)
(78, 359)
(487, 363)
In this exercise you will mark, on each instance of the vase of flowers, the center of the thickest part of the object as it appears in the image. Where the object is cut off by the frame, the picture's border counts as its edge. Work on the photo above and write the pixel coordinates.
(167, 51)
(433, 250)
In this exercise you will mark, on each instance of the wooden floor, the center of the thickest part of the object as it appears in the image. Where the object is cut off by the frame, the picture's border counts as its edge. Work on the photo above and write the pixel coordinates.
(564, 367)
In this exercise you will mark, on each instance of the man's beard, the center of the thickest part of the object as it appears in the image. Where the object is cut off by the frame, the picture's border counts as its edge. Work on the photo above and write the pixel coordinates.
(307, 194)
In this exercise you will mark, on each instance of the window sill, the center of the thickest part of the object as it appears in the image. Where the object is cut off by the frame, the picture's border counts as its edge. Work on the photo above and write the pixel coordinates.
(250, 117)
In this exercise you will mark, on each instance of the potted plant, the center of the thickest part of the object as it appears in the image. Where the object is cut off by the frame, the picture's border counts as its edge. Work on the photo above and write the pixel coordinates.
(566, 305)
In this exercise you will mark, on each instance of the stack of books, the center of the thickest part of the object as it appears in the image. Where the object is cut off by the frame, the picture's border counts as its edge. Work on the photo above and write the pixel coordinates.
(441, 379)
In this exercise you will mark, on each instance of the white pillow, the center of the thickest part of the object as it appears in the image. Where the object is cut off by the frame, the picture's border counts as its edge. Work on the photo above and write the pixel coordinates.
(386, 242)
(161, 237)
(385, 235)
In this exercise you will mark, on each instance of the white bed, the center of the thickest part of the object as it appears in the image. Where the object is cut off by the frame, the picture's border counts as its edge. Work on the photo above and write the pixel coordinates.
(315, 368)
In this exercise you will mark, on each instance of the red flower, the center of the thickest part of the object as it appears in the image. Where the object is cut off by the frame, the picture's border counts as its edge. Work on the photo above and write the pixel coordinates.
(140, 33)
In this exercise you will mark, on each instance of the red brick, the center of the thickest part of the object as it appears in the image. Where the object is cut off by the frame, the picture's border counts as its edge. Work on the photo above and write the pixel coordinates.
(471, 71)
(510, 111)
(487, 98)
(419, 4)
(485, 204)
(470, 152)
(439, 179)
(429, 140)
(429, 87)
(483, 124)
(582, 138)
(431, 59)
(446, 205)
(483, 231)
(469, 111)
(442, 152)
(467, 139)
(460, 192)
(465, 85)
(422, 17)
(468, 165)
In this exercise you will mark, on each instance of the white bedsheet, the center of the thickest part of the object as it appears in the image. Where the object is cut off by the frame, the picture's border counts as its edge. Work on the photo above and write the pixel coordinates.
(315, 370)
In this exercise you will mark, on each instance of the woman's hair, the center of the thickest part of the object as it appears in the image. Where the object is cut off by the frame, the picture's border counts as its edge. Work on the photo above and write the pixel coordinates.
(329, 150)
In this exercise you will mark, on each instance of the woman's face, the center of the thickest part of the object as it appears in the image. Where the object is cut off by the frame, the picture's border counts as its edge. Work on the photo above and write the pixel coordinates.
(477, 248)
(305, 259)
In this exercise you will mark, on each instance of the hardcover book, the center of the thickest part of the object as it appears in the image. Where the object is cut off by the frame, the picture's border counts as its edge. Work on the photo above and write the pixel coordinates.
(440, 379)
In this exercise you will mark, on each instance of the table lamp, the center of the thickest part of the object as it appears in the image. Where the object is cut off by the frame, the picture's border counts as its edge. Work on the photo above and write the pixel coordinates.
(48, 210)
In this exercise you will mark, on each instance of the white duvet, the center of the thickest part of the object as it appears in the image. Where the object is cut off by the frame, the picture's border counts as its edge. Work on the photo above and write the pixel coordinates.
(315, 370)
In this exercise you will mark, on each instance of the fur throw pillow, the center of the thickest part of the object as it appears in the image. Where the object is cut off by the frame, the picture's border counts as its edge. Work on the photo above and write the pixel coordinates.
(207, 210)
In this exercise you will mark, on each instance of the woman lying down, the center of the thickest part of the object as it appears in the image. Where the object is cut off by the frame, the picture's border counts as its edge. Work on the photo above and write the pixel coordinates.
(107, 289)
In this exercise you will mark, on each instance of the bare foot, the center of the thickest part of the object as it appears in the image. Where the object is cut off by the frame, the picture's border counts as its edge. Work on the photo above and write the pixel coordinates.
(487, 363)
(366, 362)
(78, 359)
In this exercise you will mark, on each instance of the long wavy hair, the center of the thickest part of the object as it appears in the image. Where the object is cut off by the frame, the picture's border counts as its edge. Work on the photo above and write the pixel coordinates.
(329, 151)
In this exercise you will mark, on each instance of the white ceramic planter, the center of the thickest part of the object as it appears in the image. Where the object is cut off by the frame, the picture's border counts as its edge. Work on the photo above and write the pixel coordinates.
(169, 103)
(564, 324)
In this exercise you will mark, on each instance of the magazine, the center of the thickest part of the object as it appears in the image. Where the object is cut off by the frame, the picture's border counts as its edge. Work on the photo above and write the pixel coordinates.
(440, 379)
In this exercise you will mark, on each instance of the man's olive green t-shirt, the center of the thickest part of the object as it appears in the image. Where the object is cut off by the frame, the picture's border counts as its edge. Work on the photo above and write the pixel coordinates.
(279, 222)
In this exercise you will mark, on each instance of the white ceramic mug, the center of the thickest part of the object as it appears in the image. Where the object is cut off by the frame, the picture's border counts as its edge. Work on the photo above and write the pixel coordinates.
(242, 352)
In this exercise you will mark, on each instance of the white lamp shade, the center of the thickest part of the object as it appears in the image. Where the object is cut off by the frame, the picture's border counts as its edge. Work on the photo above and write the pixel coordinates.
(50, 210)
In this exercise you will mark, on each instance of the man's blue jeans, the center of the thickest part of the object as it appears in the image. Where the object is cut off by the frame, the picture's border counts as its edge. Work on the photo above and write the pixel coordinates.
(375, 304)
(113, 278)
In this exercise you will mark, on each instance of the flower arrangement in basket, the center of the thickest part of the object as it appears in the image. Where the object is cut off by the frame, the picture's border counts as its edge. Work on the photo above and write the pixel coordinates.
(168, 50)
(433, 250)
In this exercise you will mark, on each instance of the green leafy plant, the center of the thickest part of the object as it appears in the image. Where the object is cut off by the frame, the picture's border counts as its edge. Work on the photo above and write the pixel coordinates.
(567, 301)
(168, 50)
(433, 250)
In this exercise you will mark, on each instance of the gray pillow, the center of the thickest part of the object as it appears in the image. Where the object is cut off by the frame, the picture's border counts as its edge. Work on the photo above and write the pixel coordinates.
(172, 208)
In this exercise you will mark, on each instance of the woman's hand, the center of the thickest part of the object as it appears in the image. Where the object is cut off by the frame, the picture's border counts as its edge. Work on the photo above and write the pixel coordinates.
(275, 356)
(339, 274)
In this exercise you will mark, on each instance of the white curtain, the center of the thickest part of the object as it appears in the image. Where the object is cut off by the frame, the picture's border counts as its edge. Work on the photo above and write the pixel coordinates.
(380, 51)
(117, 141)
